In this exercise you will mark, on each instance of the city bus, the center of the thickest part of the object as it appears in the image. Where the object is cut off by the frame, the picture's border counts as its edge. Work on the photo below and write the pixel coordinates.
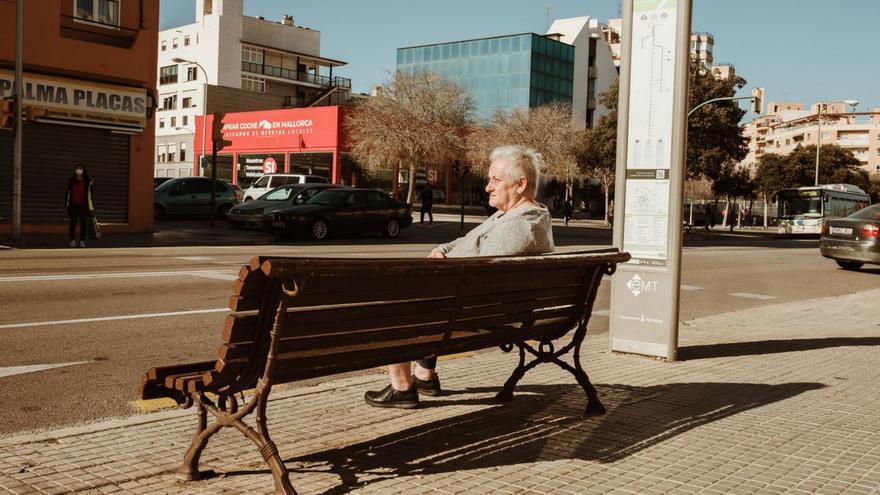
(803, 210)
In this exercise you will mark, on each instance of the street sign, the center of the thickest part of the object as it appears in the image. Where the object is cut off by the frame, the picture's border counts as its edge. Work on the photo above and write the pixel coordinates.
(270, 166)
(650, 176)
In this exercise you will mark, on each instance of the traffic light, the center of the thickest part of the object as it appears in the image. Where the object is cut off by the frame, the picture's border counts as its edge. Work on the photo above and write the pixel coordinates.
(217, 131)
(456, 168)
(758, 100)
(7, 114)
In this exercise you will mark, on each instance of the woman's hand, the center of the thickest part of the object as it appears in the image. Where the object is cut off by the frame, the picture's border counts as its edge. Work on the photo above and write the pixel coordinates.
(436, 255)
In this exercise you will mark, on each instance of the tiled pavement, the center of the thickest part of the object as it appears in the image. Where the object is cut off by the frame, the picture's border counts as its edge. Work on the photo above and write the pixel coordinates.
(778, 399)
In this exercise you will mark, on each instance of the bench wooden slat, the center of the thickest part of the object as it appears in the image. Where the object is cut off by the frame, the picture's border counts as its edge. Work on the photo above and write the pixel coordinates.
(153, 382)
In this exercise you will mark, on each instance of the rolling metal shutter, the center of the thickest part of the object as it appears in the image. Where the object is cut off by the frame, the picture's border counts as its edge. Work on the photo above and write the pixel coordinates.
(50, 153)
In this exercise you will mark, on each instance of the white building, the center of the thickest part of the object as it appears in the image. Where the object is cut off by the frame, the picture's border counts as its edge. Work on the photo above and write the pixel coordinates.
(251, 64)
(594, 69)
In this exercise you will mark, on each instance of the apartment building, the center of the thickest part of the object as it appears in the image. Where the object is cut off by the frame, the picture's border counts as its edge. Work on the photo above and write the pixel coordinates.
(788, 125)
(228, 62)
(89, 85)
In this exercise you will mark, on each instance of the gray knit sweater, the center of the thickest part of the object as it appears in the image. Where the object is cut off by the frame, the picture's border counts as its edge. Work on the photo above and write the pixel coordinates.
(525, 229)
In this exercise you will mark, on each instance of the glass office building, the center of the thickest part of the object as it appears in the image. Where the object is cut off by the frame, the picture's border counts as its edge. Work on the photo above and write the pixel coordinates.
(506, 72)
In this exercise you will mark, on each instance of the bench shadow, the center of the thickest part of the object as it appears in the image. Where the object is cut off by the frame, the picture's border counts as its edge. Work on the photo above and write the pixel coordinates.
(542, 423)
(754, 348)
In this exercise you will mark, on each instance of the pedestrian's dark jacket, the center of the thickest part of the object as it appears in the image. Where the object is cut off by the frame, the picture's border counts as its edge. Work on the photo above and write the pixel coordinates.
(87, 183)
(427, 197)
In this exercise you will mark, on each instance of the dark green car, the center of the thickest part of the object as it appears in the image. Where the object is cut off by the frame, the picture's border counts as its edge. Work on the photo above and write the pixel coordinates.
(344, 210)
(192, 196)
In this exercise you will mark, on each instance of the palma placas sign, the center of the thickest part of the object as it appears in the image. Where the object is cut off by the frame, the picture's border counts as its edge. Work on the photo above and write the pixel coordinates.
(82, 101)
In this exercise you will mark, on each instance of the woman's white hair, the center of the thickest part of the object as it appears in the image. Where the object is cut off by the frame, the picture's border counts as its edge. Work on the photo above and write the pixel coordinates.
(521, 162)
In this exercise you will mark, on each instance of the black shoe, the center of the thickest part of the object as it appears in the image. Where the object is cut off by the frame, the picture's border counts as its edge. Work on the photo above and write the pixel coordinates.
(428, 387)
(389, 397)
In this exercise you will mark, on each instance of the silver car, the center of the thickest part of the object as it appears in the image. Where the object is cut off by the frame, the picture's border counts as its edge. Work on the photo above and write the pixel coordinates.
(854, 240)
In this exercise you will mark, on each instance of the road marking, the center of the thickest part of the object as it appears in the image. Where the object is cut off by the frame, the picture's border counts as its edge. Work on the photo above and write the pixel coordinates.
(216, 275)
(749, 295)
(690, 287)
(83, 276)
(111, 318)
(193, 258)
(20, 370)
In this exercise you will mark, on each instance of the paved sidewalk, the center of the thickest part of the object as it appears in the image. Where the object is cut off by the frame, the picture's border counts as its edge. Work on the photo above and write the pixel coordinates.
(777, 399)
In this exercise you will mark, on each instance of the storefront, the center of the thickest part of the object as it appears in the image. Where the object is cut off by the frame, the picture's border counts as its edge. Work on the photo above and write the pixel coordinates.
(70, 122)
(297, 140)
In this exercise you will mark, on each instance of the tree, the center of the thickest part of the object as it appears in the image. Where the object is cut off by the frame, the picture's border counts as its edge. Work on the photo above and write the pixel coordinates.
(770, 176)
(732, 182)
(415, 119)
(596, 147)
(836, 166)
(547, 129)
(714, 136)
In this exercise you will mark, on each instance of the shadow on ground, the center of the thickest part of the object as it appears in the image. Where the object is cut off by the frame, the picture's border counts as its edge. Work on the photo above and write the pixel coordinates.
(543, 423)
(734, 349)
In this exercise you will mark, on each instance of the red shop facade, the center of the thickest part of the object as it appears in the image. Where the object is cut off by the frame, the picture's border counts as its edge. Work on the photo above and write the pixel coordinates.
(296, 140)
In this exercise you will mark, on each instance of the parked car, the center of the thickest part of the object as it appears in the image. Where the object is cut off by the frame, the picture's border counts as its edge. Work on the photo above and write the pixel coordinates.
(257, 214)
(158, 181)
(344, 210)
(271, 181)
(854, 240)
(192, 196)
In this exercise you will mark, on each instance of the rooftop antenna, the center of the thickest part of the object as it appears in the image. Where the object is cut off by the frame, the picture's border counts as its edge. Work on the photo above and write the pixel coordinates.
(547, 19)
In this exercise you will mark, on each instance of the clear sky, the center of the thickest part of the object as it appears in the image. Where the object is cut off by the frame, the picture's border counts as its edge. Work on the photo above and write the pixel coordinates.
(798, 50)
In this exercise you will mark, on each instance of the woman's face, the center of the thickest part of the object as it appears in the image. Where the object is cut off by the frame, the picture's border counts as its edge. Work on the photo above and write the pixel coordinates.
(78, 171)
(503, 194)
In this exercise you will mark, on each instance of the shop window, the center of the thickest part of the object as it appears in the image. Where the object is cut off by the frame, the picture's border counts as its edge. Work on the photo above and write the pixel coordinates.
(168, 74)
(97, 11)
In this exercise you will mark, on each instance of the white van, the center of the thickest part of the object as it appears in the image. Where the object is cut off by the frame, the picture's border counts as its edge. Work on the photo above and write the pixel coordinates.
(270, 181)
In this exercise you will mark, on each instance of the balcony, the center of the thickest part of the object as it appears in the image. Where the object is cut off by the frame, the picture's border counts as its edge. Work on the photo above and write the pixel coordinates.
(292, 75)
(97, 32)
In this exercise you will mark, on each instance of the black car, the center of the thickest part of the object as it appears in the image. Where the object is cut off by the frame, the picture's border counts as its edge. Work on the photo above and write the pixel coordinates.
(344, 211)
(854, 240)
(257, 213)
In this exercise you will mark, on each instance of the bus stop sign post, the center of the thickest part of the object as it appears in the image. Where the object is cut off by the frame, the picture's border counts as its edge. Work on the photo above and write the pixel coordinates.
(651, 148)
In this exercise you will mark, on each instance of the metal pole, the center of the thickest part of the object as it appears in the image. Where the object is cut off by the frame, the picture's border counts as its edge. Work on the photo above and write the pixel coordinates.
(819, 140)
(19, 103)
(204, 117)
(713, 100)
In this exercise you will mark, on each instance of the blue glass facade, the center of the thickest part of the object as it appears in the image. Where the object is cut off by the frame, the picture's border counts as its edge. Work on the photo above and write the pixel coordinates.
(507, 72)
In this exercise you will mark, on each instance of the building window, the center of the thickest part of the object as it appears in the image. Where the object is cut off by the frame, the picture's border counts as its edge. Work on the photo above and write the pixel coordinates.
(98, 11)
(164, 45)
(252, 55)
(174, 122)
(186, 41)
(174, 43)
(187, 102)
(183, 152)
(169, 102)
(160, 153)
(168, 74)
(192, 73)
(161, 123)
(184, 121)
(256, 84)
(172, 152)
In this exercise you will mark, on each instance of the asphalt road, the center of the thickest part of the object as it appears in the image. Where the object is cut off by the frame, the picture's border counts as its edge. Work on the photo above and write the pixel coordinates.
(107, 315)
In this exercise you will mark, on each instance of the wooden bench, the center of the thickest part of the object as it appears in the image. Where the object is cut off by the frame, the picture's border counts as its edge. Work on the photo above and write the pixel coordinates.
(297, 318)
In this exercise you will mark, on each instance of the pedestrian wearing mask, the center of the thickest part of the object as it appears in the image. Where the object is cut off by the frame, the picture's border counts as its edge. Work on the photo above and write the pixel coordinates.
(79, 204)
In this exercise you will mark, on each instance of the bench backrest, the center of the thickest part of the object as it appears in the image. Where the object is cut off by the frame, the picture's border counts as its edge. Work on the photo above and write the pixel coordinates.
(352, 314)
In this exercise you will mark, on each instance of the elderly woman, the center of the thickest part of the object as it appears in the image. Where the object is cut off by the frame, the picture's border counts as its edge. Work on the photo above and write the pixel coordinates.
(520, 226)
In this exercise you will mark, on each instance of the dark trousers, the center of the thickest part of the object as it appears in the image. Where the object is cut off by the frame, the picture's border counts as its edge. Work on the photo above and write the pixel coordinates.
(81, 214)
(428, 363)
(426, 209)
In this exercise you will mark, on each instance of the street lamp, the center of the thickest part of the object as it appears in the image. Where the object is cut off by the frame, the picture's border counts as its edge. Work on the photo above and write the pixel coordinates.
(178, 60)
(823, 107)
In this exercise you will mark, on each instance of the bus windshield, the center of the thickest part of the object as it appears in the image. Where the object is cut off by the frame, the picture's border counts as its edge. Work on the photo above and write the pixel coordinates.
(800, 203)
